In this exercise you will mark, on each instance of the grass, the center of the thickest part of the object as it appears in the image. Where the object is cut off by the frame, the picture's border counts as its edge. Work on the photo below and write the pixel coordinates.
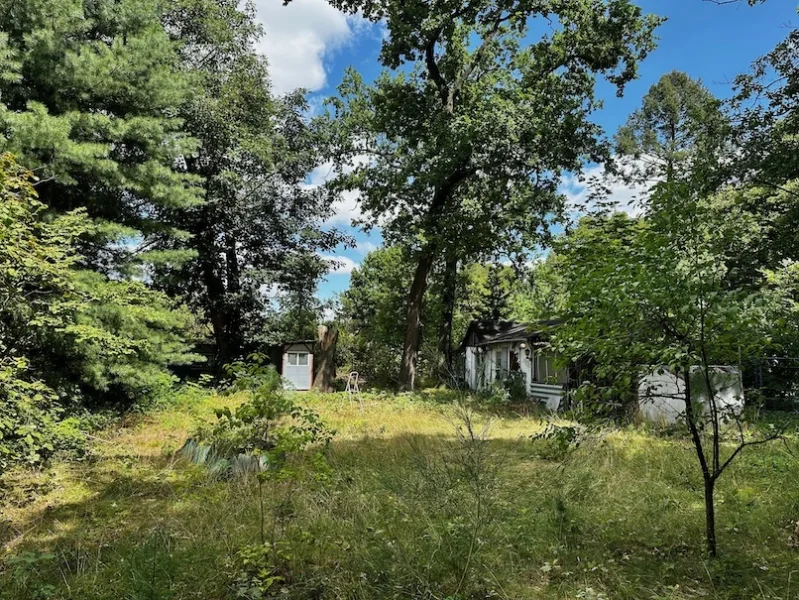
(405, 507)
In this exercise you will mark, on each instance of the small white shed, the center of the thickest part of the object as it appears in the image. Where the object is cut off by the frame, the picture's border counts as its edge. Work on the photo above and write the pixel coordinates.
(298, 364)
(661, 393)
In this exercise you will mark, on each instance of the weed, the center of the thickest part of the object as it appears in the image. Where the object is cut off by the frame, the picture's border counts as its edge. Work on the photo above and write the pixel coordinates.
(394, 513)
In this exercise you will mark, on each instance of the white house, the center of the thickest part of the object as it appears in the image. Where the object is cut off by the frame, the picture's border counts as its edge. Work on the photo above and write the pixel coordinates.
(495, 350)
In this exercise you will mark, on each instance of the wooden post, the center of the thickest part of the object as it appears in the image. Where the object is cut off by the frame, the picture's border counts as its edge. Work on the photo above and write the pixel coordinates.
(326, 372)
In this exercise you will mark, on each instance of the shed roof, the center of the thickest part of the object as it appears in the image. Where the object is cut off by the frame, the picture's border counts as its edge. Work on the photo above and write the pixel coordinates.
(305, 343)
(483, 333)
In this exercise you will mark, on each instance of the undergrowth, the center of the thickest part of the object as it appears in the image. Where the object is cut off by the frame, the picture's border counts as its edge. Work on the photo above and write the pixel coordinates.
(418, 498)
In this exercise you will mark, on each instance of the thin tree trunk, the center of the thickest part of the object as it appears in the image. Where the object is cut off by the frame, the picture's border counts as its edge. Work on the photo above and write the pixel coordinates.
(710, 516)
(413, 319)
(708, 476)
(326, 359)
(447, 311)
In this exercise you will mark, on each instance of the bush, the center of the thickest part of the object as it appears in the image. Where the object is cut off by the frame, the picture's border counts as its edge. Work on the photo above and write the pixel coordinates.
(494, 396)
(263, 431)
(70, 339)
(30, 430)
(516, 386)
(556, 442)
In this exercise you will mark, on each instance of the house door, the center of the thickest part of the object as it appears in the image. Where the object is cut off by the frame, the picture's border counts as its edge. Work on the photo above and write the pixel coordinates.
(297, 370)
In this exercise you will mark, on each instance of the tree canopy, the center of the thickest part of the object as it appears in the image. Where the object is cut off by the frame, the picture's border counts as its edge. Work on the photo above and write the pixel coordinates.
(459, 144)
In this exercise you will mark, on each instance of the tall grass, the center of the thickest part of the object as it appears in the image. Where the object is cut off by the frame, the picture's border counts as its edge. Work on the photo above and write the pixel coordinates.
(419, 499)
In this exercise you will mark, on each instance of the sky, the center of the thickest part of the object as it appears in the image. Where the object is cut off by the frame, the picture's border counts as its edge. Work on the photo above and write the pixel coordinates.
(309, 44)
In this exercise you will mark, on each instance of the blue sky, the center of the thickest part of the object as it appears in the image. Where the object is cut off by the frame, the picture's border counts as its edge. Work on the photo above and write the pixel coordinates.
(309, 45)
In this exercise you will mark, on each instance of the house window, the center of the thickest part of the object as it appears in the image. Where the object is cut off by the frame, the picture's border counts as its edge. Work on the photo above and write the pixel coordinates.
(292, 359)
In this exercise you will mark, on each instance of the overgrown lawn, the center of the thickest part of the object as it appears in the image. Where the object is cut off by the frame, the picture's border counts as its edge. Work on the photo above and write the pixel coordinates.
(408, 505)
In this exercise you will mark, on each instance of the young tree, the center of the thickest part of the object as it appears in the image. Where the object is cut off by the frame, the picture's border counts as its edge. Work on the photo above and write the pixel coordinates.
(468, 116)
(653, 293)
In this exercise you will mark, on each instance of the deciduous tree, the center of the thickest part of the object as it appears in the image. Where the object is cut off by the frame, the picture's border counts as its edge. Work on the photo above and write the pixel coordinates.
(258, 229)
(653, 293)
(469, 115)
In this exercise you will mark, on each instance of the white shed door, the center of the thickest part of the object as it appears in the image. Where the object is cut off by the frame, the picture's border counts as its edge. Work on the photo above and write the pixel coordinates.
(297, 369)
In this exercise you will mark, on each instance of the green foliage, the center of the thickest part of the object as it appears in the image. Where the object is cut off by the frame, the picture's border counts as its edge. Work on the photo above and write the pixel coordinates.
(556, 442)
(70, 338)
(458, 147)
(766, 111)
(643, 295)
(486, 293)
(269, 426)
(541, 294)
(254, 574)
(516, 386)
(96, 112)
(372, 311)
(259, 228)
(476, 96)
(372, 314)
(27, 416)
(678, 127)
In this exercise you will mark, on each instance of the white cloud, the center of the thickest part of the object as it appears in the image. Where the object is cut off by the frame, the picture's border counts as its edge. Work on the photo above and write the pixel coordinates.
(348, 207)
(365, 247)
(298, 38)
(340, 264)
(622, 196)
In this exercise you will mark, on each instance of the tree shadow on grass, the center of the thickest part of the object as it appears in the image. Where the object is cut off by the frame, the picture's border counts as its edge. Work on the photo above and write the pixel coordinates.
(601, 518)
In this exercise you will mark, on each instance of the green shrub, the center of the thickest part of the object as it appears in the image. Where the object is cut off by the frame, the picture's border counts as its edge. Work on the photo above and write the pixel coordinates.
(494, 396)
(70, 339)
(516, 386)
(33, 425)
(262, 431)
(556, 442)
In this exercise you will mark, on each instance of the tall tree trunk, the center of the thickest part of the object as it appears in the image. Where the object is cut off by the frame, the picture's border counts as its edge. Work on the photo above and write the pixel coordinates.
(211, 273)
(710, 516)
(217, 314)
(326, 359)
(413, 319)
(447, 310)
(233, 276)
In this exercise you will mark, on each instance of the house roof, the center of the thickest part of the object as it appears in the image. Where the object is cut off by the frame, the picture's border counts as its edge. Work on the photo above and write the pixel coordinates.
(483, 333)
